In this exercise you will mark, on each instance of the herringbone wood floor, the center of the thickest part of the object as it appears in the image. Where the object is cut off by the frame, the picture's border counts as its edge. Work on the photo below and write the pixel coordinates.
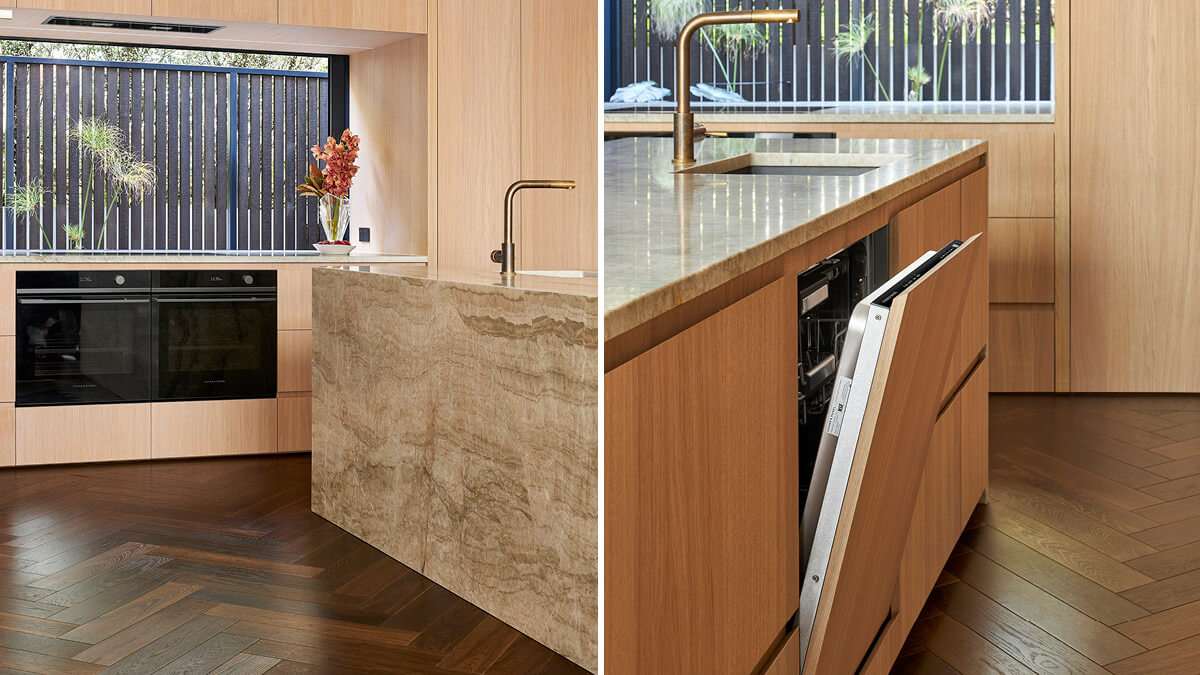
(1087, 557)
(218, 566)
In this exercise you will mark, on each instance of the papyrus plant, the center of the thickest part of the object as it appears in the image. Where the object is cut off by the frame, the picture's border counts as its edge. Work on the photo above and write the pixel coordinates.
(113, 172)
(969, 15)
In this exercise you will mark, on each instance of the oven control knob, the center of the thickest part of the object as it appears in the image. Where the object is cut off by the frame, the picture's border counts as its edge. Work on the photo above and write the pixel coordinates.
(120, 280)
(247, 279)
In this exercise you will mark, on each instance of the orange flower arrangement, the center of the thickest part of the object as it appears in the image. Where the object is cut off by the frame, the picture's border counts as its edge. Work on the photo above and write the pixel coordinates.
(339, 171)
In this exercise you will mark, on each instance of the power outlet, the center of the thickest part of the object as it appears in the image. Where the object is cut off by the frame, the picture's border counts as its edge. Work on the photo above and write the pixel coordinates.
(364, 234)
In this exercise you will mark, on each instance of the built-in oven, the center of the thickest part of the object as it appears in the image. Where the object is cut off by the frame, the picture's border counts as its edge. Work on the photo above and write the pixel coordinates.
(215, 334)
(82, 337)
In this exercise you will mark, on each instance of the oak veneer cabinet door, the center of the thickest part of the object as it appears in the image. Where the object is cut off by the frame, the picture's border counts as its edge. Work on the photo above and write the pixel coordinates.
(935, 520)
(295, 423)
(82, 433)
(294, 356)
(863, 578)
(1021, 260)
(478, 128)
(702, 502)
(8, 435)
(1135, 174)
(1021, 348)
(253, 11)
(131, 7)
(200, 428)
(295, 297)
(405, 16)
(558, 110)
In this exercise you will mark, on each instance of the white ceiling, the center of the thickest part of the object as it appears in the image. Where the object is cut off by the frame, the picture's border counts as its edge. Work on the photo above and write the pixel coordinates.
(27, 24)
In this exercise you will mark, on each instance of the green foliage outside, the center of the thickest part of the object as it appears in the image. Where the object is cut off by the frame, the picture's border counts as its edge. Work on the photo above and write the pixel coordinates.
(188, 57)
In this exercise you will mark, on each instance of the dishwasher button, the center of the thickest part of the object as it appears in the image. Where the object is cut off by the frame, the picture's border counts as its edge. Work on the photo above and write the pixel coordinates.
(120, 280)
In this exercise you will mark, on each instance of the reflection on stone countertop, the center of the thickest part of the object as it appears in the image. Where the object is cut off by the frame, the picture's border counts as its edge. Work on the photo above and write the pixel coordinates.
(671, 237)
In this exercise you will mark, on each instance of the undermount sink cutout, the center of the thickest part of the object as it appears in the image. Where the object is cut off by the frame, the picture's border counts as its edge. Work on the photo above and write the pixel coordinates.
(796, 164)
(570, 274)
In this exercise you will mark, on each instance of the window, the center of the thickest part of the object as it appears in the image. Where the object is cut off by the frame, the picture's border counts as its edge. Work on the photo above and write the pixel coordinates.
(844, 50)
(225, 141)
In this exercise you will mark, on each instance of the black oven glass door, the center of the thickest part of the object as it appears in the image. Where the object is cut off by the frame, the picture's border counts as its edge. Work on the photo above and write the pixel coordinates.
(212, 347)
(82, 348)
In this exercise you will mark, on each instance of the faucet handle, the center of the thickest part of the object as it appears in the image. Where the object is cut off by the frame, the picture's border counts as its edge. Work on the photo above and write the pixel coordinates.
(497, 256)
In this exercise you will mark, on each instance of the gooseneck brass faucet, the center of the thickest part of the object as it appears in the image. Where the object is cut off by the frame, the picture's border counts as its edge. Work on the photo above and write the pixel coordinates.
(686, 130)
(506, 255)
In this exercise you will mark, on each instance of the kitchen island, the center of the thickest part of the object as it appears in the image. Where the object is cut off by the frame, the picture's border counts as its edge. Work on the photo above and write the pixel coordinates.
(705, 462)
(455, 422)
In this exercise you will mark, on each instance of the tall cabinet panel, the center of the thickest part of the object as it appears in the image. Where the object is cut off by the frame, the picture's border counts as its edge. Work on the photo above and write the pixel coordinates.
(1135, 220)
(516, 83)
(478, 126)
(558, 133)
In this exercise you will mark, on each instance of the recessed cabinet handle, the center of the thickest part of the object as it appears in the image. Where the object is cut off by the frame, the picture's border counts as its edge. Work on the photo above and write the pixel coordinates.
(67, 301)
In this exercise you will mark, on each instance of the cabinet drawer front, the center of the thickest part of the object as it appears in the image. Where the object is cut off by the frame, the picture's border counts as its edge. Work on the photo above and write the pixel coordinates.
(1021, 260)
(200, 428)
(82, 433)
(1021, 349)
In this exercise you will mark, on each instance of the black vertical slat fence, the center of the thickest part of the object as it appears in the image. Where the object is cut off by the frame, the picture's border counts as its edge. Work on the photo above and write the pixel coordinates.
(1009, 58)
(179, 120)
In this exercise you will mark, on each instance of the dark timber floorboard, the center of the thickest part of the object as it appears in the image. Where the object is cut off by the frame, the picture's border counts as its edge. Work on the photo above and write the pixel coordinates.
(1087, 557)
(218, 566)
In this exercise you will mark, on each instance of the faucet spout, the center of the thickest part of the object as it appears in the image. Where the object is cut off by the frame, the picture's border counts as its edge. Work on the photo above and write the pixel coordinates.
(686, 131)
(506, 255)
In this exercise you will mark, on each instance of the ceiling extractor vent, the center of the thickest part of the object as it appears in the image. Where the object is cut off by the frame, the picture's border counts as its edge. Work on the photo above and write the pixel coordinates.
(120, 24)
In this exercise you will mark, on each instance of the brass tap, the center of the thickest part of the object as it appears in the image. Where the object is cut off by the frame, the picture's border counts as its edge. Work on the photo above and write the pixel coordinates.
(506, 255)
(687, 132)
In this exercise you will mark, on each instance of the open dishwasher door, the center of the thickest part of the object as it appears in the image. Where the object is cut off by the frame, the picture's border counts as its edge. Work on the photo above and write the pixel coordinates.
(872, 454)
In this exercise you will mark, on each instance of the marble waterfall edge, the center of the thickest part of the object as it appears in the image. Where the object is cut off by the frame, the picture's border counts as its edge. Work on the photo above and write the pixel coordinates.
(455, 429)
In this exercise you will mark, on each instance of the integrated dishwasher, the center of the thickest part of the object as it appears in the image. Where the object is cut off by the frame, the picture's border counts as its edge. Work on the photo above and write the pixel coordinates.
(844, 307)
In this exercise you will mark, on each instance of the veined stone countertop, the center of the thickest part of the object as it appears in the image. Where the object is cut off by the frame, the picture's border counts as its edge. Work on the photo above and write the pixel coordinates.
(977, 112)
(184, 258)
(670, 237)
(455, 424)
(581, 286)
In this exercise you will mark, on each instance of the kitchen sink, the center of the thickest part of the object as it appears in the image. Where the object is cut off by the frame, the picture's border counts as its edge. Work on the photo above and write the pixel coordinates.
(572, 274)
(796, 164)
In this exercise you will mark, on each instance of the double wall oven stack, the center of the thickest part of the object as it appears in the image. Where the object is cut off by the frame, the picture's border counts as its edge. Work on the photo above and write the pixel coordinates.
(134, 336)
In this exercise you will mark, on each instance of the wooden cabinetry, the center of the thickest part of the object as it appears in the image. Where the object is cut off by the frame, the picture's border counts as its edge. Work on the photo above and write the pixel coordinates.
(253, 11)
(100, 6)
(558, 114)
(294, 354)
(702, 495)
(1134, 154)
(200, 428)
(82, 433)
(406, 16)
(295, 423)
(545, 130)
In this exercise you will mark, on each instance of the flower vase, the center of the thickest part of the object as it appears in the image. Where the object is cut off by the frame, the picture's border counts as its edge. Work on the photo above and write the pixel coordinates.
(334, 215)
